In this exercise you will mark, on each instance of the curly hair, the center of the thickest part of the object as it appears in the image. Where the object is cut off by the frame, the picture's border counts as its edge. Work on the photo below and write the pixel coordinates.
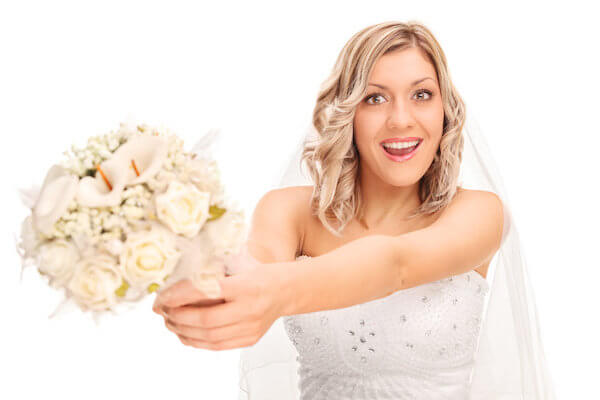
(332, 158)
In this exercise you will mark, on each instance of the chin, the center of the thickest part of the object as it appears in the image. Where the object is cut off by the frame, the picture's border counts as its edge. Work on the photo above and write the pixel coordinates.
(398, 181)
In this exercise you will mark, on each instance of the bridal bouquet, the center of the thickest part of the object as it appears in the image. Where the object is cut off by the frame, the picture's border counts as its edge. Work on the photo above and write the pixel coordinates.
(130, 214)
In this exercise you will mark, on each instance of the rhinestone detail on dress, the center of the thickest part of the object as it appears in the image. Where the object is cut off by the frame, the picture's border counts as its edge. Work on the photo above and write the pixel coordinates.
(416, 329)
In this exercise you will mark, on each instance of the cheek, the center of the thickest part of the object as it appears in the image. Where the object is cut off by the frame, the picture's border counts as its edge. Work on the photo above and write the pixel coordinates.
(366, 125)
(433, 119)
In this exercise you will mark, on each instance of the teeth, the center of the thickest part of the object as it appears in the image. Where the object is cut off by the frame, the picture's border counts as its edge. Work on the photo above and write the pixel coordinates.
(400, 145)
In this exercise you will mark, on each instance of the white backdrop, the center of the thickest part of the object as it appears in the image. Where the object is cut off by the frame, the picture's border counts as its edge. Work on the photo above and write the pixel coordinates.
(528, 72)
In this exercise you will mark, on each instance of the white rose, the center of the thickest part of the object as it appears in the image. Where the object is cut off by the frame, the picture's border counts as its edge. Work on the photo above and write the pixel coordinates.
(57, 259)
(227, 233)
(183, 208)
(94, 282)
(149, 256)
(113, 246)
(205, 175)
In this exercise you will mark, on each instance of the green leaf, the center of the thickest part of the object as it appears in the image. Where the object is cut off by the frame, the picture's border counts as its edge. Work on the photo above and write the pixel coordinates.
(90, 172)
(215, 212)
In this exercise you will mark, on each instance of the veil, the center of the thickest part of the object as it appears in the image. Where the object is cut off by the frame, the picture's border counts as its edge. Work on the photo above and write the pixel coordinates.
(509, 361)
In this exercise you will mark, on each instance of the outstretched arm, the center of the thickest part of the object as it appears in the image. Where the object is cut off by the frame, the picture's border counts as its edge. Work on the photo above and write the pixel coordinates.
(359, 271)
(465, 235)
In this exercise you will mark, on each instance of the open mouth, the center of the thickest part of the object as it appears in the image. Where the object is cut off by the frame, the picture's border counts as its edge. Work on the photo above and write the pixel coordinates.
(399, 152)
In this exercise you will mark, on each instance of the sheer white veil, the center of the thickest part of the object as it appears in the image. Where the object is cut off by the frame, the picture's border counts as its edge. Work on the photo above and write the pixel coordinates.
(509, 361)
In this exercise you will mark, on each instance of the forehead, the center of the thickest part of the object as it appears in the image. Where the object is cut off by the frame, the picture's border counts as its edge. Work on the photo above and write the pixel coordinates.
(401, 67)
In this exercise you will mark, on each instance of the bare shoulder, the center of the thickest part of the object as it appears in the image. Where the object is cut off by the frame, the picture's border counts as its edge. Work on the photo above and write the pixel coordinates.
(479, 202)
(300, 198)
(482, 206)
(485, 196)
(465, 237)
(297, 200)
(287, 209)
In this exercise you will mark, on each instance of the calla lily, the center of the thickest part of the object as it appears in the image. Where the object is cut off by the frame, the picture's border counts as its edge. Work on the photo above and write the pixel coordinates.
(57, 192)
(148, 154)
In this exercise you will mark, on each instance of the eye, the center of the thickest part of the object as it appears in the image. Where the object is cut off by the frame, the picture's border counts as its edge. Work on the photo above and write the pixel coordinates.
(373, 96)
(424, 91)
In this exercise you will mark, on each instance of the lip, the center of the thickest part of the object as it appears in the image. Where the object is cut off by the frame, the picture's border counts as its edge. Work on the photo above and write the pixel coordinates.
(404, 157)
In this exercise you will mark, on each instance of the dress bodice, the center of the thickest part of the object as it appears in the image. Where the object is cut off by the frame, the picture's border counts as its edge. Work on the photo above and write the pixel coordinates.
(417, 343)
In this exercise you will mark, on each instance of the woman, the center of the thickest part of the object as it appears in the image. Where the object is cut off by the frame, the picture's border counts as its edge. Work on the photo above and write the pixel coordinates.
(380, 266)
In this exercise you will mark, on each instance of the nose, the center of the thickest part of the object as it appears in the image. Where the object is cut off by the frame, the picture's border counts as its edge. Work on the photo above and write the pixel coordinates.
(400, 116)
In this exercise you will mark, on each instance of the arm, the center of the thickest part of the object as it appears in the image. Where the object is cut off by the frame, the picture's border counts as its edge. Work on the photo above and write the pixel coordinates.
(468, 232)
(359, 271)
(275, 238)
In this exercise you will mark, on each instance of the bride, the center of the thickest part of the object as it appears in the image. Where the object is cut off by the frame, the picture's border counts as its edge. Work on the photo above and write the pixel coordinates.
(380, 264)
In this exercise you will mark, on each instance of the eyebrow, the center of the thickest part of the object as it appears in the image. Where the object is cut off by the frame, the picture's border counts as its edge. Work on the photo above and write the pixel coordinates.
(412, 84)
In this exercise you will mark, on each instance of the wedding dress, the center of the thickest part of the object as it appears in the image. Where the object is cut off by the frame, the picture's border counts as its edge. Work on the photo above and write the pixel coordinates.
(417, 343)
(463, 337)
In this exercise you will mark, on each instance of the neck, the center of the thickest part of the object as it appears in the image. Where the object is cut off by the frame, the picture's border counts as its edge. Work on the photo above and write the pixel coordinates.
(384, 203)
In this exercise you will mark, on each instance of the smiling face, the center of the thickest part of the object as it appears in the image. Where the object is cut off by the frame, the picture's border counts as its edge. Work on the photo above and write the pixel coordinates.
(395, 107)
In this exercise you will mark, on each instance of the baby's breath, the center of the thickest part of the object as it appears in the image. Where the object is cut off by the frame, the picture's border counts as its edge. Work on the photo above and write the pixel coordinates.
(106, 223)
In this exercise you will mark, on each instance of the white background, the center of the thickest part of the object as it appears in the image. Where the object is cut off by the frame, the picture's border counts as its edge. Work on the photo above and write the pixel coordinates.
(528, 72)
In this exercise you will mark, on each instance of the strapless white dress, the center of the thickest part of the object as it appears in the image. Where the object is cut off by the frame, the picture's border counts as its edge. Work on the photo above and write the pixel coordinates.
(417, 343)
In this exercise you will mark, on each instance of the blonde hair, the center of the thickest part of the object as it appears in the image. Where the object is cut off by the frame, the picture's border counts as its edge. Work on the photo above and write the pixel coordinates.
(332, 158)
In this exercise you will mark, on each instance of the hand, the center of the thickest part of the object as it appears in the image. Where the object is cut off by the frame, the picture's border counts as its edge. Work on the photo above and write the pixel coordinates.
(249, 304)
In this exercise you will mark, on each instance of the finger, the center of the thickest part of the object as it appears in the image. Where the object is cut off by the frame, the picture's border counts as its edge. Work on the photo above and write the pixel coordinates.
(234, 287)
(157, 307)
(170, 326)
(242, 341)
(213, 335)
(180, 293)
(209, 317)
